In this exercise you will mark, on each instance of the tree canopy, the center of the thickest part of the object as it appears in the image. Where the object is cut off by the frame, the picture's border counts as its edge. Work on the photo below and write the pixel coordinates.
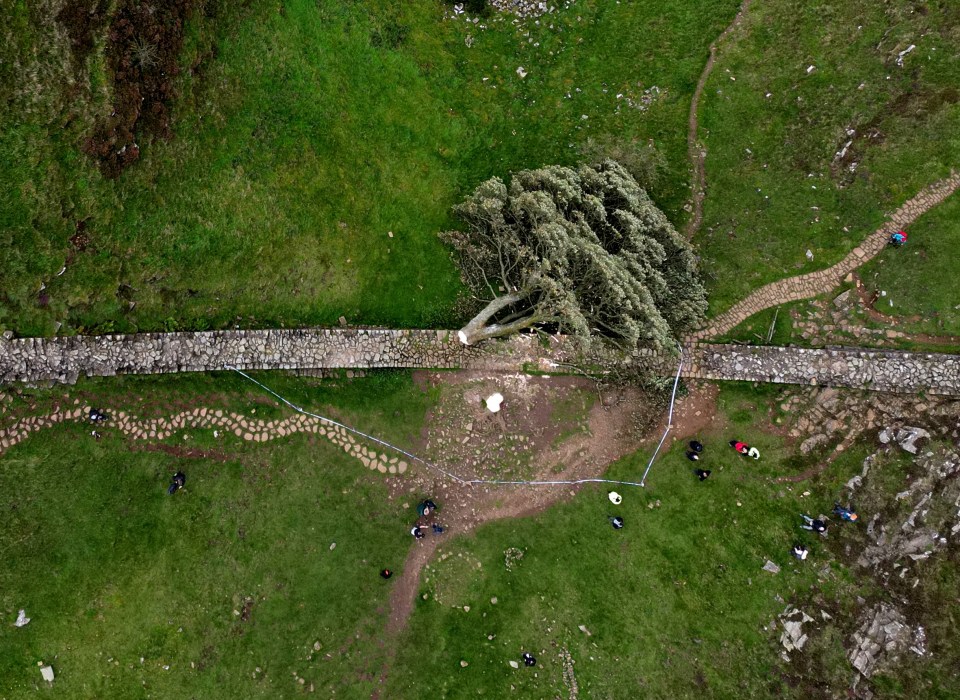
(584, 249)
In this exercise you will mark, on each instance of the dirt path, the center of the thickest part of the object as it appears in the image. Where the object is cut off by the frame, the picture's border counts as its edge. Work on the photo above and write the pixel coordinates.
(815, 283)
(584, 456)
(696, 152)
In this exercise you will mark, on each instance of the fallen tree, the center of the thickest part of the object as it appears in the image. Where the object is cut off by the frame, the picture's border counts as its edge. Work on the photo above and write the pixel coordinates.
(584, 251)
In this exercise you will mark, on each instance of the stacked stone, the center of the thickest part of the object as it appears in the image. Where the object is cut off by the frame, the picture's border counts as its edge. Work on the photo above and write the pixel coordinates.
(35, 360)
(64, 359)
(877, 370)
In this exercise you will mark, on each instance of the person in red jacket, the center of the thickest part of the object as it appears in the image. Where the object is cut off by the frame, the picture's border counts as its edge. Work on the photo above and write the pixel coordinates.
(741, 447)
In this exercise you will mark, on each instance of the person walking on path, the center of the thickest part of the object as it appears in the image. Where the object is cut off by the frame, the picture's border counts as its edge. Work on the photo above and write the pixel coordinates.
(846, 514)
(417, 532)
(814, 524)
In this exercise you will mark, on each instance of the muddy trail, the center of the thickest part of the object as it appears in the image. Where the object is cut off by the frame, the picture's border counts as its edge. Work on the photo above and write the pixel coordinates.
(609, 432)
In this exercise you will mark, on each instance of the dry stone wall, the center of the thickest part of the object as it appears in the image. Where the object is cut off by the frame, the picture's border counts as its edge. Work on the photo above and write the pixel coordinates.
(65, 359)
(34, 360)
(878, 370)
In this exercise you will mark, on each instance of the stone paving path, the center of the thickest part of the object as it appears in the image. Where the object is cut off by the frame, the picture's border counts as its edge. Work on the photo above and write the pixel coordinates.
(696, 151)
(815, 283)
(221, 422)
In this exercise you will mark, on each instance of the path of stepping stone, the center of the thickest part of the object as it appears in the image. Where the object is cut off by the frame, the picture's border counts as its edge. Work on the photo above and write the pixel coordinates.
(222, 422)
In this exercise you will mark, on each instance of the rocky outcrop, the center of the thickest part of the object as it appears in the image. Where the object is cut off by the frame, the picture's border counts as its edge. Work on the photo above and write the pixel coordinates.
(882, 637)
(929, 516)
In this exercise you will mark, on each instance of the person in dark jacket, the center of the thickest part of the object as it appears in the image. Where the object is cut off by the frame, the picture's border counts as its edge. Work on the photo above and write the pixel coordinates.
(177, 482)
(814, 524)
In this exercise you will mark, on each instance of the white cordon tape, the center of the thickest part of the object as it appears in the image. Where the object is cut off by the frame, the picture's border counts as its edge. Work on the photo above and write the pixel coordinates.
(459, 480)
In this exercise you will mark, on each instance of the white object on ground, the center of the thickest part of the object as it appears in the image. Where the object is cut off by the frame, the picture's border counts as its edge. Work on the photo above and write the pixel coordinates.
(754, 452)
(494, 401)
(22, 619)
(463, 337)
(47, 673)
(615, 498)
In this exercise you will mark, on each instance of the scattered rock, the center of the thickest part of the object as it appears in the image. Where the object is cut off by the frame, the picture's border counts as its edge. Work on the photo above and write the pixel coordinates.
(881, 638)
(812, 443)
(907, 438)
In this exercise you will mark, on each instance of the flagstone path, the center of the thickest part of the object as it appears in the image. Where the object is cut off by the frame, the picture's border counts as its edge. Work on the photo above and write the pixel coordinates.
(816, 283)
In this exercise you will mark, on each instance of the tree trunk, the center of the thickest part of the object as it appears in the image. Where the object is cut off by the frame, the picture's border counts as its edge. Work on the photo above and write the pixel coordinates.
(478, 330)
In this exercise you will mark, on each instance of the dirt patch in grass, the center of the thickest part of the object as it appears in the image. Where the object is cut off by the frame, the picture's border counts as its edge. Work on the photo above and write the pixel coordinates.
(528, 410)
(185, 452)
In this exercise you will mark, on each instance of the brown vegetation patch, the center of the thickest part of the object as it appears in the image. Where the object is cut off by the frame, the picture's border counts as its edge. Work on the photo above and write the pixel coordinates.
(83, 19)
(143, 44)
(178, 451)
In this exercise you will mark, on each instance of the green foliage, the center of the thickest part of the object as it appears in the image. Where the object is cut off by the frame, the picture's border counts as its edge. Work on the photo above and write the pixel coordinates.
(585, 249)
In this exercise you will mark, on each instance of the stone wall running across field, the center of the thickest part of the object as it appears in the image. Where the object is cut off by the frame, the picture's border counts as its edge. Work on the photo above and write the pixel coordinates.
(34, 360)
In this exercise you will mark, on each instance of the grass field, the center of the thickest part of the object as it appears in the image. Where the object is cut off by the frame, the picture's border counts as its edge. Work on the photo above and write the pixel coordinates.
(783, 98)
(230, 588)
(304, 134)
(222, 590)
(673, 603)
(920, 280)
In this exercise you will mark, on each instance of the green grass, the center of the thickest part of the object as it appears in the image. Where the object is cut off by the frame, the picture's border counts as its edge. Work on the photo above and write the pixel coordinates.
(112, 570)
(676, 602)
(920, 279)
(772, 192)
(318, 128)
(756, 329)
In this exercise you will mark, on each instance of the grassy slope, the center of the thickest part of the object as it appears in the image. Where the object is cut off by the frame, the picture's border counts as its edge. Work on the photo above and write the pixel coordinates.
(675, 601)
(921, 279)
(305, 141)
(111, 569)
(759, 214)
